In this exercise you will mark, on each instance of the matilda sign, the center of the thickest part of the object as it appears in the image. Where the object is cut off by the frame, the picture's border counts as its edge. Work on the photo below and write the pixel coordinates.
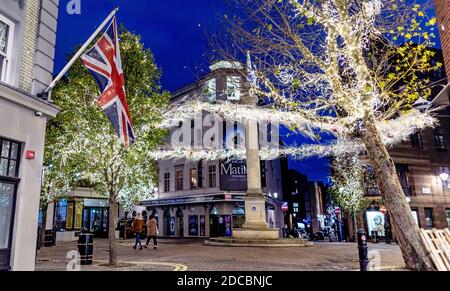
(233, 176)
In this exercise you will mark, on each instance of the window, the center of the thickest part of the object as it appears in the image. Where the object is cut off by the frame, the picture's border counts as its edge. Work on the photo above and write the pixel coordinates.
(448, 217)
(416, 140)
(234, 88)
(9, 158)
(193, 225)
(403, 175)
(415, 213)
(79, 206)
(6, 41)
(263, 174)
(61, 214)
(212, 176)
(70, 215)
(179, 180)
(194, 178)
(429, 217)
(210, 90)
(439, 139)
(370, 181)
(167, 182)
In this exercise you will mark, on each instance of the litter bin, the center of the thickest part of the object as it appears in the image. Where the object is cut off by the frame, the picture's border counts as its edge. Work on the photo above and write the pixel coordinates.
(86, 248)
(49, 238)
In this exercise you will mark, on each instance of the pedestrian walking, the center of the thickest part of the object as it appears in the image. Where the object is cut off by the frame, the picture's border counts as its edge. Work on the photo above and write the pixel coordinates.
(152, 232)
(138, 226)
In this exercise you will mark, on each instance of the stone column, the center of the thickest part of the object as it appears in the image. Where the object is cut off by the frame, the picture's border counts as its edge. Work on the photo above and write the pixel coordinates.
(255, 226)
(255, 204)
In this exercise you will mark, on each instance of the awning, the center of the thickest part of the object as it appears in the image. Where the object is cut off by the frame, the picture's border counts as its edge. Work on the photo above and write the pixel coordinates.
(443, 98)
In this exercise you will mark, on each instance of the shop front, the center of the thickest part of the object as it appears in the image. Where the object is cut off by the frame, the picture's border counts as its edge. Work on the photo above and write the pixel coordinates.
(83, 209)
(196, 219)
(75, 213)
(206, 216)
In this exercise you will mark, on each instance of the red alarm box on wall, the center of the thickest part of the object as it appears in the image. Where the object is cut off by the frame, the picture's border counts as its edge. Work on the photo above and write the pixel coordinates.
(30, 155)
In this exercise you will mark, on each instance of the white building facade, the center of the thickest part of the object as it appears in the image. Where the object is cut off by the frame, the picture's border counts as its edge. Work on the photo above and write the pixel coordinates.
(206, 198)
(27, 47)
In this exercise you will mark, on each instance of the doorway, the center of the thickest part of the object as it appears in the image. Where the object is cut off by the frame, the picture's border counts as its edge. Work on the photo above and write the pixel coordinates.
(180, 223)
(166, 227)
(7, 207)
(96, 221)
(220, 226)
(214, 226)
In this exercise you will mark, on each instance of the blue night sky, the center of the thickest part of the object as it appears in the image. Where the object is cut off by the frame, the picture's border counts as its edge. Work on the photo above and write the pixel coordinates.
(175, 31)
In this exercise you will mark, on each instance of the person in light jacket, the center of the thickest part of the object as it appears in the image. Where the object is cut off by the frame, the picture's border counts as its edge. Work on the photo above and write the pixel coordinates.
(152, 232)
(137, 227)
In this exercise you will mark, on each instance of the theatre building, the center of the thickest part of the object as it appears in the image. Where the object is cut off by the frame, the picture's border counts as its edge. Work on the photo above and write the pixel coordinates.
(27, 46)
(206, 198)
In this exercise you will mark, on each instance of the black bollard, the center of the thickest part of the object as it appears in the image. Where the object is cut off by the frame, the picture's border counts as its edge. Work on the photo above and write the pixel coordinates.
(363, 251)
(55, 230)
(388, 234)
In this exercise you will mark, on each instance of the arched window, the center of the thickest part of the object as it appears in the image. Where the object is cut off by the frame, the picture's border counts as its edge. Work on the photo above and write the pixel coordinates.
(238, 217)
(214, 211)
(238, 211)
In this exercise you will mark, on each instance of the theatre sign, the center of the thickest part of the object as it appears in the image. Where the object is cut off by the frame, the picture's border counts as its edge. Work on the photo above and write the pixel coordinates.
(233, 176)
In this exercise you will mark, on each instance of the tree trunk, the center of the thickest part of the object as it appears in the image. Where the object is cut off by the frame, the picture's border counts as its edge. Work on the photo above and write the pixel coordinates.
(112, 230)
(414, 252)
(44, 225)
(125, 224)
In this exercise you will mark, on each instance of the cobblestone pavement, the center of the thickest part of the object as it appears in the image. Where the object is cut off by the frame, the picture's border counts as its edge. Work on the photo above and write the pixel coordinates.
(191, 255)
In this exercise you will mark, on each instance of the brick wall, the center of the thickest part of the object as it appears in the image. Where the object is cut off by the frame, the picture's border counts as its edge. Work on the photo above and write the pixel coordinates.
(39, 39)
(443, 17)
(29, 45)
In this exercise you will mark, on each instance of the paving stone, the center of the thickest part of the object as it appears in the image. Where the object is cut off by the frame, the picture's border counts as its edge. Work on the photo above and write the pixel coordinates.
(193, 255)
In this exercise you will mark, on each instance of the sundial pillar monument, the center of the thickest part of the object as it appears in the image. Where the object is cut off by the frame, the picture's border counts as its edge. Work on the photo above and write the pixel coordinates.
(255, 226)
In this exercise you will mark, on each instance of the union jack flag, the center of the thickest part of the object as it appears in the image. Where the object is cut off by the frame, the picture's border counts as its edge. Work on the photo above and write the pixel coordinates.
(104, 63)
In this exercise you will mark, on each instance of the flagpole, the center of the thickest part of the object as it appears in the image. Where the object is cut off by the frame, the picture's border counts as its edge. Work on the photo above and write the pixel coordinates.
(46, 92)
